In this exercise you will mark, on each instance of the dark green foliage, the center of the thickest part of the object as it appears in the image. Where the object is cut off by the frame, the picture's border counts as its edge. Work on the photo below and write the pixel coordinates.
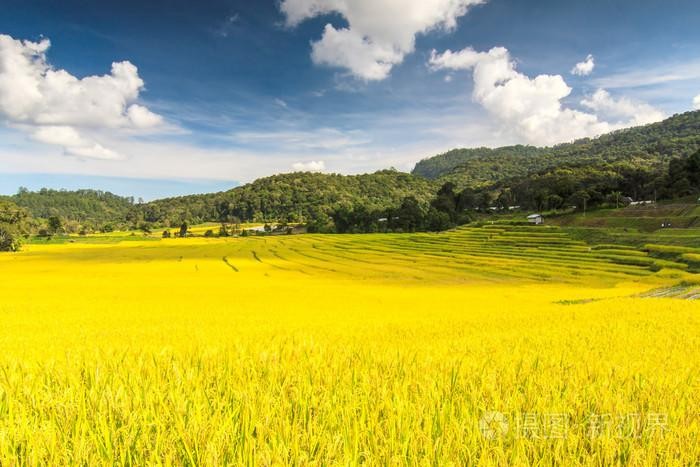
(437, 221)
(10, 213)
(409, 217)
(591, 186)
(684, 176)
(659, 161)
(145, 227)
(473, 167)
(446, 201)
(55, 225)
(85, 206)
(14, 222)
(295, 197)
(319, 222)
(10, 239)
(659, 143)
(183, 230)
(356, 219)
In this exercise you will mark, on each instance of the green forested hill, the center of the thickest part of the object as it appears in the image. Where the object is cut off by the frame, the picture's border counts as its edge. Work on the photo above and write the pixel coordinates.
(293, 197)
(678, 136)
(81, 205)
(473, 167)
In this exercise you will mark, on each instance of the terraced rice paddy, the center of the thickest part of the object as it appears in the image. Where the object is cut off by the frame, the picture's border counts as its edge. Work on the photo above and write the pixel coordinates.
(482, 346)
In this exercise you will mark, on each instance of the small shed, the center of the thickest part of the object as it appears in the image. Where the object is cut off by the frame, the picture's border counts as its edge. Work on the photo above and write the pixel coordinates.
(536, 219)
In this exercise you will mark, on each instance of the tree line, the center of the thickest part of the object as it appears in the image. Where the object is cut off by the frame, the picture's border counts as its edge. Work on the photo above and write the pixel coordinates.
(578, 187)
(594, 185)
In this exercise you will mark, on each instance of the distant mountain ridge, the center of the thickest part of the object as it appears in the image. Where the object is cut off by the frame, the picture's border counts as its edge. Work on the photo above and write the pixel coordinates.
(677, 136)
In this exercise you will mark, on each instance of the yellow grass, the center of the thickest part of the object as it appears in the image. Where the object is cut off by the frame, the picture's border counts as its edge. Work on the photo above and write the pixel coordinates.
(325, 350)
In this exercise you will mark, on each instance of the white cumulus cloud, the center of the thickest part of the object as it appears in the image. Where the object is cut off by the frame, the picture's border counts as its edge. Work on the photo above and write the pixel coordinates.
(310, 166)
(73, 144)
(60, 109)
(622, 110)
(140, 117)
(585, 67)
(380, 33)
(532, 108)
(696, 102)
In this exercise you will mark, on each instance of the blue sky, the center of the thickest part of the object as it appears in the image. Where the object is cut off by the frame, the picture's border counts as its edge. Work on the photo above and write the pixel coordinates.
(227, 91)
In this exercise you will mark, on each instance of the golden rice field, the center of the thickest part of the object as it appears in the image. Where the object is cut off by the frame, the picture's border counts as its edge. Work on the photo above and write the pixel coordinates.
(482, 346)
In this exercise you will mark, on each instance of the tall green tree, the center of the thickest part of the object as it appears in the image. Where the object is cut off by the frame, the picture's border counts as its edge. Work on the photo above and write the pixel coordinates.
(10, 239)
(13, 224)
(55, 225)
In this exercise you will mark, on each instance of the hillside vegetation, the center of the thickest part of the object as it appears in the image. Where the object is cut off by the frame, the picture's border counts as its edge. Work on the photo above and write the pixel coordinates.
(14, 222)
(80, 205)
(646, 146)
(293, 197)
